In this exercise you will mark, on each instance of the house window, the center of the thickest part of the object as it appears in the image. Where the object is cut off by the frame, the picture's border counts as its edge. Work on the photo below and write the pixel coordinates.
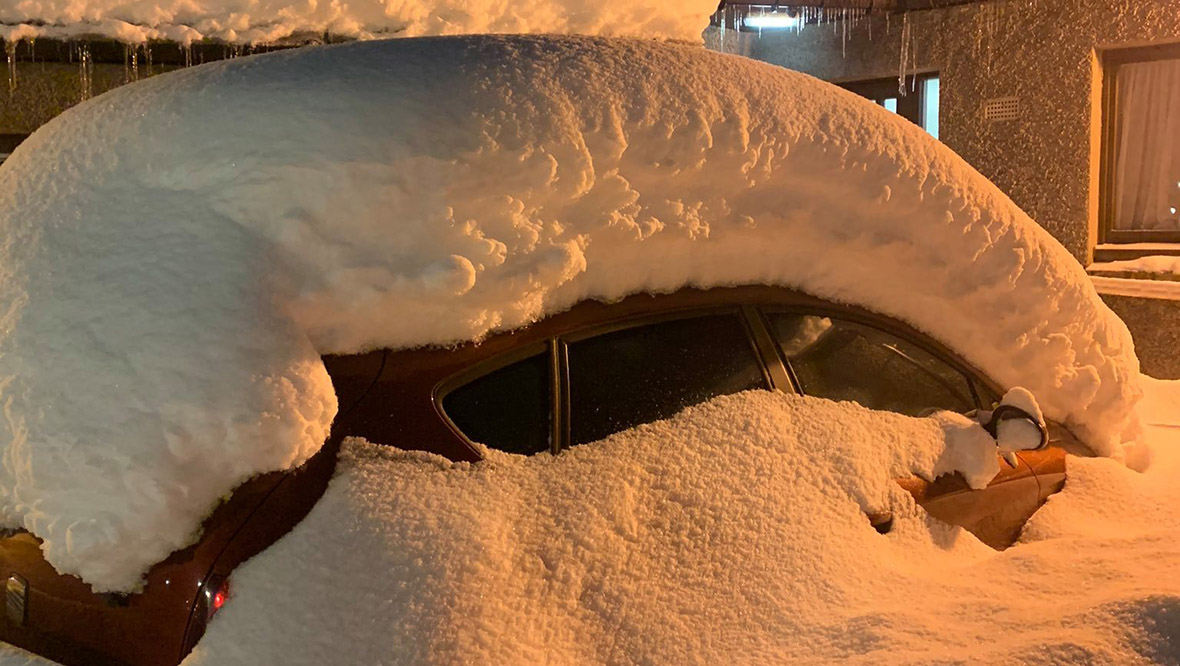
(1140, 195)
(919, 104)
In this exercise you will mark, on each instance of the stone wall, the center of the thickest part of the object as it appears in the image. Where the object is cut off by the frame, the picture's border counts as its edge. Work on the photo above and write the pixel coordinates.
(1153, 326)
(1042, 51)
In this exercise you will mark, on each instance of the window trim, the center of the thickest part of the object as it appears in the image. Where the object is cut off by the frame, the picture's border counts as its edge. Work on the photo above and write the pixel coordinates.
(486, 367)
(606, 328)
(557, 348)
(968, 373)
(1111, 61)
(777, 372)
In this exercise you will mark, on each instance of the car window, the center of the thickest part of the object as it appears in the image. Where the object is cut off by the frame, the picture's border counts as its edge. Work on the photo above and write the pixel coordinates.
(844, 360)
(507, 409)
(637, 375)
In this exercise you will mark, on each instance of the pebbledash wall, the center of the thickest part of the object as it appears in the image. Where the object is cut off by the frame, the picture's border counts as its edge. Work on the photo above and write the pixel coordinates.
(1046, 53)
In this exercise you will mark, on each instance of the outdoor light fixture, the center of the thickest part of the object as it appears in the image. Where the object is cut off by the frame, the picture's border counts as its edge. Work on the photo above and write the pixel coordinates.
(772, 21)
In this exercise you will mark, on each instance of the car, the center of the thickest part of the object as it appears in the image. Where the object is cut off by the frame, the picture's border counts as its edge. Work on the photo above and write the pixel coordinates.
(568, 380)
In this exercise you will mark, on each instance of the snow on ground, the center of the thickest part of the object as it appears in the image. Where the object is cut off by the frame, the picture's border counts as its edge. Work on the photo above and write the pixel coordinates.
(252, 22)
(177, 253)
(732, 533)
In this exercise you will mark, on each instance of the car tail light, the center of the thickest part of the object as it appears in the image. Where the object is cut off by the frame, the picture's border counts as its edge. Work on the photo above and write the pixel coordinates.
(210, 598)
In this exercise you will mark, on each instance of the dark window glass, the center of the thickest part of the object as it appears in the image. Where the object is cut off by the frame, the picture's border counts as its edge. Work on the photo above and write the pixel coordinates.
(647, 373)
(842, 360)
(507, 409)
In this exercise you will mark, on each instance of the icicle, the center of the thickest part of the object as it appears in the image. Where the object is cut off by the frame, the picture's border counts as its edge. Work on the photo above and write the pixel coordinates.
(147, 57)
(85, 72)
(844, 34)
(130, 63)
(906, 45)
(991, 35)
(10, 51)
(187, 49)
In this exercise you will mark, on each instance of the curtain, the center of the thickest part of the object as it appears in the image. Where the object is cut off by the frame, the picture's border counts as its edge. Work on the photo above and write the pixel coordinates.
(1147, 167)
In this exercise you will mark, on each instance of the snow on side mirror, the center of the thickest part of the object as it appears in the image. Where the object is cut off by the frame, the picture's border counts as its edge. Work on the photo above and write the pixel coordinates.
(1017, 424)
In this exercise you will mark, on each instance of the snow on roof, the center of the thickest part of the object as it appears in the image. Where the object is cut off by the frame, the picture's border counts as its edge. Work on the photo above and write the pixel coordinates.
(252, 22)
(178, 252)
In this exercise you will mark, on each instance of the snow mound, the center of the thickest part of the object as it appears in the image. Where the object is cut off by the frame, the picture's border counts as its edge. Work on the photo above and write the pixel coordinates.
(731, 529)
(732, 533)
(178, 252)
(252, 22)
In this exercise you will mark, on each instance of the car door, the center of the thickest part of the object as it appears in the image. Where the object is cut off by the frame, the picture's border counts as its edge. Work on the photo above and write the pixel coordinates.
(842, 358)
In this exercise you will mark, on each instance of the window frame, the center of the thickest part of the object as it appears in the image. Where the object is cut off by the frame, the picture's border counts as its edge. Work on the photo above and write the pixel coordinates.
(776, 370)
(557, 346)
(562, 343)
(911, 106)
(486, 367)
(968, 373)
(1111, 61)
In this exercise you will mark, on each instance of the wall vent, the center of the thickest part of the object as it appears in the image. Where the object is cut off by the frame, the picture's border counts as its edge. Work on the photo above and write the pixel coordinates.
(1001, 109)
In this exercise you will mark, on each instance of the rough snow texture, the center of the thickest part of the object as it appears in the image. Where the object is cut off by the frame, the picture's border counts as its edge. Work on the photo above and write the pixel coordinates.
(748, 544)
(733, 533)
(731, 530)
(252, 22)
(176, 253)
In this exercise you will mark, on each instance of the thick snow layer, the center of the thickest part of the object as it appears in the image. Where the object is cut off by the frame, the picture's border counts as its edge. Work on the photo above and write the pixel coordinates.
(717, 533)
(732, 533)
(1164, 290)
(1163, 265)
(176, 253)
(252, 22)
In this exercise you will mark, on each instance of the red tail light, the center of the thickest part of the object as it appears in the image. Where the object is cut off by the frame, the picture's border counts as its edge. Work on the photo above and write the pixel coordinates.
(210, 598)
(219, 598)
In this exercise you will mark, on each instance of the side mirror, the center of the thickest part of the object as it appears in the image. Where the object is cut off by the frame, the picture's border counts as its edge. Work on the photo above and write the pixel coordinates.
(1015, 429)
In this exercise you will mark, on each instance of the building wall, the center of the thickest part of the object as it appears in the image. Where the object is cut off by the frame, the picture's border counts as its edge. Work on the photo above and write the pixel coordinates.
(1042, 51)
(45, 89)
(1153, 326)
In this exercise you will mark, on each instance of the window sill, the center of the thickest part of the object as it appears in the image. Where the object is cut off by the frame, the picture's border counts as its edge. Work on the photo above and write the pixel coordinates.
(1144, 270)
(1110, 252)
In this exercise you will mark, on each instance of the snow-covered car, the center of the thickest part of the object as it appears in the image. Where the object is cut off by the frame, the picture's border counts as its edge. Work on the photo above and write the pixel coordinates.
(570, 379)
(197, 269)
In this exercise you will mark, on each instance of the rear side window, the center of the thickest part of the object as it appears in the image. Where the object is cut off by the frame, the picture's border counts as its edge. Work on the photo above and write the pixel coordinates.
(507, 409)
(637, 375)
(843, 360)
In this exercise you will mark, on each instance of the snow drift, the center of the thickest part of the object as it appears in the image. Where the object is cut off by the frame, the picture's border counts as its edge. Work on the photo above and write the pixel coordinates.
(178, 252)
(747, 537)
(253, 22)
(749, 546)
